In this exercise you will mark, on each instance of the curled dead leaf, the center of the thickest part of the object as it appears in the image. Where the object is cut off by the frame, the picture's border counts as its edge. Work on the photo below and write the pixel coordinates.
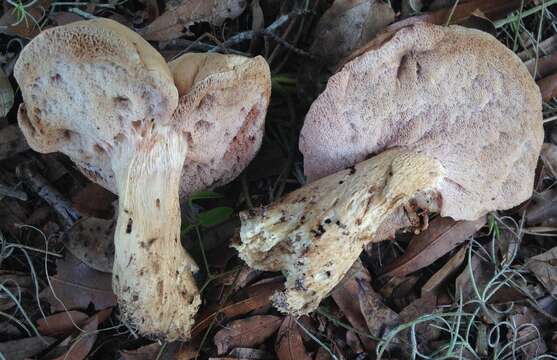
(180, 15)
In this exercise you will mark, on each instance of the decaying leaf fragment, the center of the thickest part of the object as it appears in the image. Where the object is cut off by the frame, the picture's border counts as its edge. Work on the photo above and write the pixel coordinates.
(91, 240)
(434, 119)
(181, 14)
(544, 267)
(246, 332)
(289, 344)
(76, 285)
(347, 25)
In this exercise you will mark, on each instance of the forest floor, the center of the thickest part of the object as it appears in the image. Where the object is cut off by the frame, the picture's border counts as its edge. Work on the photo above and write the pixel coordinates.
(471, 290)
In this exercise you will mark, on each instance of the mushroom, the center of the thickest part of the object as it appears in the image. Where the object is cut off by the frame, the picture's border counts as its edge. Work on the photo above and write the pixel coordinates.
(99, 93)
(428, 119)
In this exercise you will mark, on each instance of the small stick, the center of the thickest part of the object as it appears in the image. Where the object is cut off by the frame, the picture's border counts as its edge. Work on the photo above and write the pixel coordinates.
(38, 184)
(250, 34)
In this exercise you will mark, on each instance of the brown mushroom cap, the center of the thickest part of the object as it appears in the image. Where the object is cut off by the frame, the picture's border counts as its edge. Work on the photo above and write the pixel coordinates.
(224, 130)
(128, 83)
(453, 93)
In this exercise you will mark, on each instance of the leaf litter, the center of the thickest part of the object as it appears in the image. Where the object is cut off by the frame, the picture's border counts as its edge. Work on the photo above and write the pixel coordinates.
(440, 281)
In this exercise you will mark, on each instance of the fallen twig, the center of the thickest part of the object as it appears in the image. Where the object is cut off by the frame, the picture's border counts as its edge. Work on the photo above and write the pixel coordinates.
(268, 31)
(38, 184)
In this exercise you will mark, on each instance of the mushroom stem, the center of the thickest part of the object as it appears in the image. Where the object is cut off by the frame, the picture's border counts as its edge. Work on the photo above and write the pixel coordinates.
(315, 234)
(153, 275)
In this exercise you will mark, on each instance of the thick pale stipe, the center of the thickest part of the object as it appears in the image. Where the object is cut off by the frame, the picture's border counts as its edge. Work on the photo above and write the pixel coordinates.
(315, 234)
(153, 275)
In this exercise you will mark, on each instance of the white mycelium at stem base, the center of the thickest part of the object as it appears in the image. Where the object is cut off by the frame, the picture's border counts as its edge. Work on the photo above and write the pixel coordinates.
(152, 274)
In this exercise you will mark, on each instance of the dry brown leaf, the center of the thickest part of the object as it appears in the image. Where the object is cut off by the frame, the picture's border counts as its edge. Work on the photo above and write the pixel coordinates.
(16, 282)
(442, 236)
(347, 25)
(493, 9)
(77, 285)
(548, 87)
(91, 240)
(181, 14)
(94, 201)
(258, 297)
(379, 318)
(82, 343)
(447, 270)
(64, 18)
(250, 354)
(6, 94)
(61, 324)
(147, 352)
(549, 157)
(289, 344)
(322, 354)
(546, 65)
(482, 272)
(12, 141)
(186, 351)
(246, 332)
(9, 331)
(543, 207)
(530, 324)
(353, 341)
(25, 348)
(152, 10)
(547, 46)
(424, 331)
(13, 24)
(345, 295)
(544, 267)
